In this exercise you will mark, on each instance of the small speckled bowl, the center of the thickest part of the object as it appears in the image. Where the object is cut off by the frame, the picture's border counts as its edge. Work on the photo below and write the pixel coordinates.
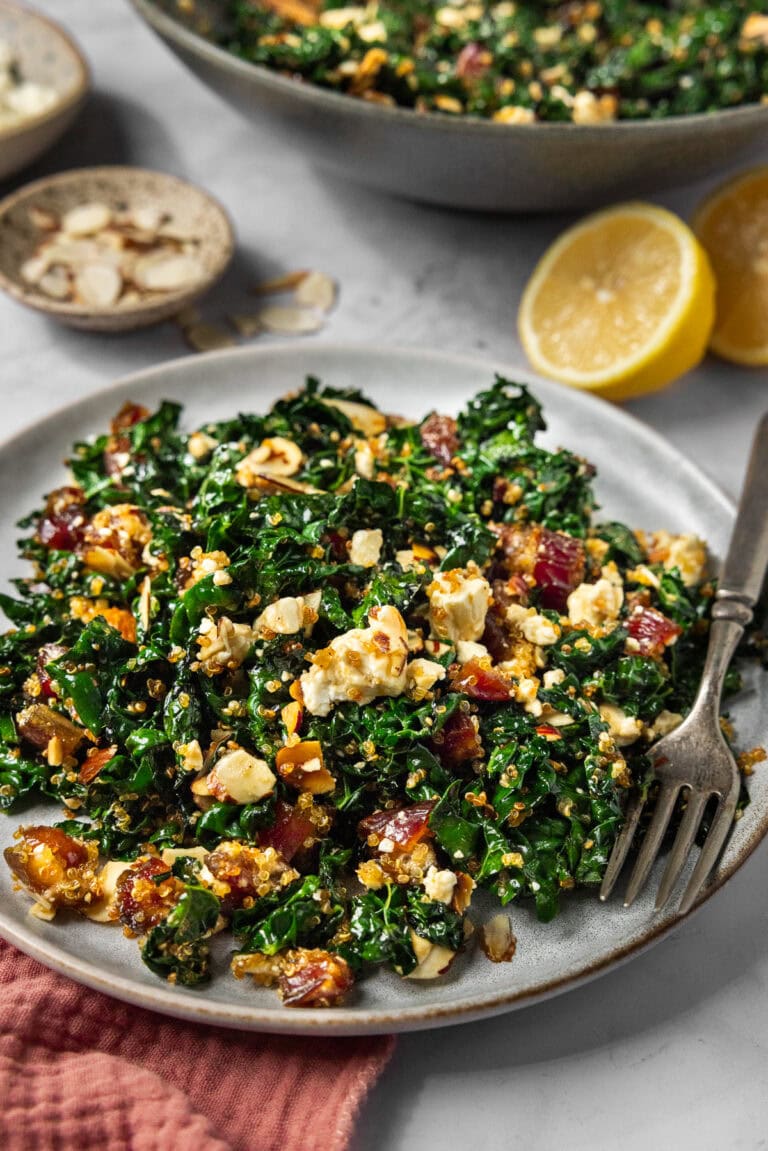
(47, 56)
(194, 212)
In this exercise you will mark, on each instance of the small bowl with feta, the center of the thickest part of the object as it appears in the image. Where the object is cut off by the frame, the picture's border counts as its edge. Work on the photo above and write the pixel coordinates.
(44, 81)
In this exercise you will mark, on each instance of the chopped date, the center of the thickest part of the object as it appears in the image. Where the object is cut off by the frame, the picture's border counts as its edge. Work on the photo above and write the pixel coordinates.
(439, 435)
(145, 894)
(289, 832)
(405, 827)
(39, 724)
(556, 561)
(314, 978)
(558, 567)
(651, 630)
(61, 527)
(247, 871)
(47, 654)
(49, 862)
(459, 741)
(95, 760)
(129, 415)
(479, 682)
(119, 444)
(473, 61)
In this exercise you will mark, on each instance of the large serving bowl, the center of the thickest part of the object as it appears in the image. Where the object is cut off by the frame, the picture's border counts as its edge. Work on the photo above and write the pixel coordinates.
(459, 162)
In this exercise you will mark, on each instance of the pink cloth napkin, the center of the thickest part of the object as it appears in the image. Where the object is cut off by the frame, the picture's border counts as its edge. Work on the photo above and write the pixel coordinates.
(82, 1072)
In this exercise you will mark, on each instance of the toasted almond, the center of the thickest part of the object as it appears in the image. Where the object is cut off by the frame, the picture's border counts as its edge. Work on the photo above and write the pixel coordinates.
(363, 418)
(45, 221)
(74, 253)
(98, 285)
(280, 284)
(497, 939)
(316, 290)
(290, 321)
(146, 218)
(55, 283)
(208, 337)
(34, 269)
(246, 325)
(167, 273)
(86, 219)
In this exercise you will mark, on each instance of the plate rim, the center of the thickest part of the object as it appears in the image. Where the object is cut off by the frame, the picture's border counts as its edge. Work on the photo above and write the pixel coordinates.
(356, 1020)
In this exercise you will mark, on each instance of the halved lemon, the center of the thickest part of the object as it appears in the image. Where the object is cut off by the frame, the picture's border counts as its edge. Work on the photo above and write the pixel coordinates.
(621, 304)
(732, 224)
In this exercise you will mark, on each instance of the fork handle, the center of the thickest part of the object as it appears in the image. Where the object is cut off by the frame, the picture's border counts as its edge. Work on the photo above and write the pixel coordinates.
(742, 575)
(744, 569)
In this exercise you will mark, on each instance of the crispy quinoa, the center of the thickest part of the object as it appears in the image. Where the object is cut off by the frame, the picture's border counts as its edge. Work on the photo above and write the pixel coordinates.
(517, 61)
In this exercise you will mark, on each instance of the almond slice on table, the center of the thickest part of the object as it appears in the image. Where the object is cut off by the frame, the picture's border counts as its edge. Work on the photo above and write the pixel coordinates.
(207, 337)
(290, 321)
(280, 284)
(245, 324)
(316, 290)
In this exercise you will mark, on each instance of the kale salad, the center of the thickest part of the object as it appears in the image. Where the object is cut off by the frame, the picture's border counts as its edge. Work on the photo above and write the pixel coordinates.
(313, 677)
(516, 61)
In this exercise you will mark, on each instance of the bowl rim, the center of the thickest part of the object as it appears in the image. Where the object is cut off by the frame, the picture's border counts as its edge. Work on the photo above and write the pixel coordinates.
(65, 104)
(307, 92)
(57, 308)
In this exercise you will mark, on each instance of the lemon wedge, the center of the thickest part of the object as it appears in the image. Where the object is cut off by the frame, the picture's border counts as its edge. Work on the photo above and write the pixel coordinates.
(621, 304)
(732, 224)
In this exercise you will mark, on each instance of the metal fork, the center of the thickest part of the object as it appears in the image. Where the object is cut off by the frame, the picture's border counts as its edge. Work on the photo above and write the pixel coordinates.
(696, 756)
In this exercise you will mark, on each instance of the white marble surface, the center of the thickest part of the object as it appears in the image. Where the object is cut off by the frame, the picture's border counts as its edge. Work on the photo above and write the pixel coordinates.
(670, 1051)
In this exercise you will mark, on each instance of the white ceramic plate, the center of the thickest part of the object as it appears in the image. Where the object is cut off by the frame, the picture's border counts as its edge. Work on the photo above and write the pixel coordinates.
(641, 479)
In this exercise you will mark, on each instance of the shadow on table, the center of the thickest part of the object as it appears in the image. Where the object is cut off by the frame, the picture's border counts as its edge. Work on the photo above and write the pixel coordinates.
(125, 352)
(675, 978)
(109, 130)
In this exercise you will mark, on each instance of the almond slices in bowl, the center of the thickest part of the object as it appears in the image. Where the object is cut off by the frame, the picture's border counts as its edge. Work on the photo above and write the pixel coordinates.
(112, 248)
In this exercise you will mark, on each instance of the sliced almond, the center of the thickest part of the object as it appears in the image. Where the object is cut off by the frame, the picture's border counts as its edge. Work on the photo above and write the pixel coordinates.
(363, 418)
(316, 291)
(98, 285)
(55, 284)
(246, 325)
(103, 909)
(497, 939)
(86, 219)
(280, 284)
(146, 218)
(208, 337)
(269, 483)
(33, 270)
(290, 321)
(167, 273)
(45, 221)
(70, 251)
